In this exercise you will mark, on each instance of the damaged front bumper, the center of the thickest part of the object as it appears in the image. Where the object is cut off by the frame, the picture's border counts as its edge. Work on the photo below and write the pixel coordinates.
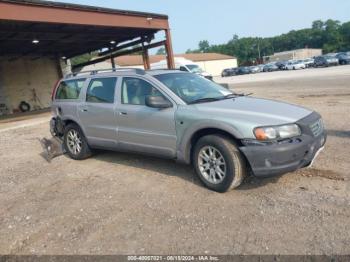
(288, 155)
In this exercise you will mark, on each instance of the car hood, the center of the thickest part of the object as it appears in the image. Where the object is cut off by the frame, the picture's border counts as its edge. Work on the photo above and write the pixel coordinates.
(257, 108)
(243, 113)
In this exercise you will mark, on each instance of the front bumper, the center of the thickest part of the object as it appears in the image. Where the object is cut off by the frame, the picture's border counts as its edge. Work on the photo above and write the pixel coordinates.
(286, 156)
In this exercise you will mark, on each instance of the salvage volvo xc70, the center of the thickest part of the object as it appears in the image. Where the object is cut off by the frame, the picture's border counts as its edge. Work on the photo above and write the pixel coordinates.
(185, 117)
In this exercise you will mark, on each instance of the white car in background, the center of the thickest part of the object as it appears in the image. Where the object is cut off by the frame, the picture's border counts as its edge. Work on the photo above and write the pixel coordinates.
(295, 65)
(183, 64)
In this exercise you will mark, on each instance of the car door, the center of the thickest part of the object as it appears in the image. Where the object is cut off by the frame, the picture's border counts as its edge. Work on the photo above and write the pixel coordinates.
(142, 128)
(97, 113)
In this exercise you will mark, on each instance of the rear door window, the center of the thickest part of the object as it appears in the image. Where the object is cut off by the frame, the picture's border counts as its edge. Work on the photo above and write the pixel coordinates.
(101, 90)
(70, 89)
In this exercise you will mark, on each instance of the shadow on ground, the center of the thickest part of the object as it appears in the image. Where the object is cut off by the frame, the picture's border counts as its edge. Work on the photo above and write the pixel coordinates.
(338, 133)
(171, 168)
(152, 164)
(252, 182)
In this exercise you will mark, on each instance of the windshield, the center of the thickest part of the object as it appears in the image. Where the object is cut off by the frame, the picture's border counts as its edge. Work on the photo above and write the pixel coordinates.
(191, 87)
(194, 68)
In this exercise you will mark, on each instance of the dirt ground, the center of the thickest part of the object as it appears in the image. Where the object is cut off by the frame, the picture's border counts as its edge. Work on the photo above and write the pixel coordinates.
(116, 203)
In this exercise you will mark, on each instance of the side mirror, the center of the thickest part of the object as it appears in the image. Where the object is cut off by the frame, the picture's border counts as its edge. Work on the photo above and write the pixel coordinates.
(158, 102)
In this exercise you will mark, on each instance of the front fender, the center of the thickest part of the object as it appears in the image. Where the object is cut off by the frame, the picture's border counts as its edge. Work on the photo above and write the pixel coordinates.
(185, 135)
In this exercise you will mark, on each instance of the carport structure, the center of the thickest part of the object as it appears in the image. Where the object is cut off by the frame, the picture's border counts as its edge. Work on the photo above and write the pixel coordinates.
(36, 37)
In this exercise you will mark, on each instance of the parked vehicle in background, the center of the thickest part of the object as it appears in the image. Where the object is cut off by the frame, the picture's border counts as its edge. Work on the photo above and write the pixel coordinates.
(281, 65)
(261, 67)
(270, 67)
(185, 65)
(184, 117)
(244, 70)
(309, 62)
(326, 60)
(229, 72)
(295, 65)
(344, 58)
(254, 69)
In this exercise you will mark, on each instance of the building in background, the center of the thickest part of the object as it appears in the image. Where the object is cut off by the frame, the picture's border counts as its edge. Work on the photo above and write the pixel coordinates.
(38, 39)
(293, 55)
(212, 63)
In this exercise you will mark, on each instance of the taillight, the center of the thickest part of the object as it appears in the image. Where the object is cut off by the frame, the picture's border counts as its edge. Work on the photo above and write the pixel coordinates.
(54, 89)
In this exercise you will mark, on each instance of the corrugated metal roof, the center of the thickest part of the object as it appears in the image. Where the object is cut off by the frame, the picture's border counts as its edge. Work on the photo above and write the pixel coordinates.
(84, 8)
(133, 60)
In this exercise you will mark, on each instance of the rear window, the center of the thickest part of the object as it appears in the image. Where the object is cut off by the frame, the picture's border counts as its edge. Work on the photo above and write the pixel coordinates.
(69, 89)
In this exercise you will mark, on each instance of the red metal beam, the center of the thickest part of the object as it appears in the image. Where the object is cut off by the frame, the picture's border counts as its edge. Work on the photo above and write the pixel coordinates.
(169, 50)
(48, 14)
(121, 53)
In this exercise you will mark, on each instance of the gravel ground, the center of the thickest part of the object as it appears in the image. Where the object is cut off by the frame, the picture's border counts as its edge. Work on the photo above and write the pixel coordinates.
(116, 203)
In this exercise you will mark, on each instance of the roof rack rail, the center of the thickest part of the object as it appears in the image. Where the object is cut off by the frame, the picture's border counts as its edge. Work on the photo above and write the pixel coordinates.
(162, 69)
(138, 71)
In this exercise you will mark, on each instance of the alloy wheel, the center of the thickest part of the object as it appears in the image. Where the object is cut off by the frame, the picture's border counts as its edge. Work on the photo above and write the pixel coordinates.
(74, 142)
(212, 164)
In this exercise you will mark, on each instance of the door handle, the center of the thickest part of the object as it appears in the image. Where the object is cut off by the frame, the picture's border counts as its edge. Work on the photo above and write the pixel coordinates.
(84, 110)
(123, 113)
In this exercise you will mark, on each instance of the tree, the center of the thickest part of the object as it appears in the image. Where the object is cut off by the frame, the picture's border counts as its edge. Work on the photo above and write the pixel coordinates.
(82, 58)
(161, 51)
(330, 35)
(317, 25)
(204, 46)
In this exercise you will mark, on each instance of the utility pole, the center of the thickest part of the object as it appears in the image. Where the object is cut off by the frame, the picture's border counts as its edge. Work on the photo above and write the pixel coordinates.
(259, 50)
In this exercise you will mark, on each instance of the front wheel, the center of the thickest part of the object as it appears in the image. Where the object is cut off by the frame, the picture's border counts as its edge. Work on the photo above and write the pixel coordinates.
(218, 163)
(75, 143)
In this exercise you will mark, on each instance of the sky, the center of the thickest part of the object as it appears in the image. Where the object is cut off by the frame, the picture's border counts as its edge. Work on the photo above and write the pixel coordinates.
(217, 21)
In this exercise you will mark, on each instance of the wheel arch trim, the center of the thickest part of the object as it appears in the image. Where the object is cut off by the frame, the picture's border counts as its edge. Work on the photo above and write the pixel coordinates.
(68, 120)
(185, 144)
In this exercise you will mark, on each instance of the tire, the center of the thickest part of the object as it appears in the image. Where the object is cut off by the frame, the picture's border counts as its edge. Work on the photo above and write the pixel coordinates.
(24, 107)
(233, 168)
(85, 151)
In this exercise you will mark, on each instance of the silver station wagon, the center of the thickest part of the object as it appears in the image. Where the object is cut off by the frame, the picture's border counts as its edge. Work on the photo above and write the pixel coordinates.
(185, 117)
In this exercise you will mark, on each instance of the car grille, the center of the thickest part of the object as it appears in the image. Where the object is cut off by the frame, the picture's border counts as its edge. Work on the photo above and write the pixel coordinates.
(317, 127)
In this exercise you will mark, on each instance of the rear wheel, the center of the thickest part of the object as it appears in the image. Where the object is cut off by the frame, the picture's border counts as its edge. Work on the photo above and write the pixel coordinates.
(75, 143)
(218, 163)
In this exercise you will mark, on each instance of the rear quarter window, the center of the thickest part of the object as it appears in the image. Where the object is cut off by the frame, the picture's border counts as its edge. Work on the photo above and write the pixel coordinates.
(69, 89)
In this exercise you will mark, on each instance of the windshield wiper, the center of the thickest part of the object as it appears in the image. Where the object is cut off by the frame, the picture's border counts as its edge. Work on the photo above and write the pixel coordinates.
(203, 100)
(234, 95)
(237, 95)
(212, 99)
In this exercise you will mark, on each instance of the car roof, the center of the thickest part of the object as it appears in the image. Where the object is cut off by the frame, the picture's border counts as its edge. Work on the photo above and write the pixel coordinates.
(163, 71)
(118, 72)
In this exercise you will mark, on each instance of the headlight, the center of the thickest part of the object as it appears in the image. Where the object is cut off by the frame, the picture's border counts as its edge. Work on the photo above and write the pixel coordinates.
(275, 132)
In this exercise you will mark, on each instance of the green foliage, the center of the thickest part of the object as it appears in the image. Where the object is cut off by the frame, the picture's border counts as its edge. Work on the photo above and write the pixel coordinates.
(82, 58)
(161, 51)
(330, 35)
